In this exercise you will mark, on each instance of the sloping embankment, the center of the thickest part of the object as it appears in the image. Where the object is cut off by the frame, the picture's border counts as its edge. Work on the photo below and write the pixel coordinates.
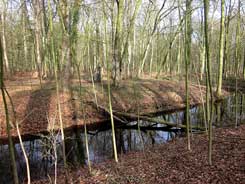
(36, 109)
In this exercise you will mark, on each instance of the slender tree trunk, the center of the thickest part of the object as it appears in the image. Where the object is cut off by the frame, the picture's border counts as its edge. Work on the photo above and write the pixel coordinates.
(44, 31)
(37, 33)
(209, 84)
(24, 37)
(105, 50)
(152, 34)
(10, 141)
(117, 57)
(152, 56)
(188, 33)
(237, 56)
(165, 58)
(129, 34)
(111, 115)
(4, 44)
(202, 54)
(226, 43)
(145, 54)
(53, 58)
(180, 42)
(221, 48)
(134, 52)
(25, 154)
(244, 64)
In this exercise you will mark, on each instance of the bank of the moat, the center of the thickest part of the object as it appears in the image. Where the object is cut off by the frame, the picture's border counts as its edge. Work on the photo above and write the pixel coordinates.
(34, 106)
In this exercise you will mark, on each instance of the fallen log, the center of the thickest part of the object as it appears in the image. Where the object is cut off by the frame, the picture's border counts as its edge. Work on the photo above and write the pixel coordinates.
(145, 128)
(150, 119)
(124, 115)
(155, 120)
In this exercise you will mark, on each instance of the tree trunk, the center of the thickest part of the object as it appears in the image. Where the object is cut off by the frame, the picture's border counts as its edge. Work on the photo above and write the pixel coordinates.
(4, 44)
(188, 32)
(237, 56)
(221, 48)
(209, 84)
(11, 145)
(37, 32)
(55, 64)
(226, 43)
(117, 57)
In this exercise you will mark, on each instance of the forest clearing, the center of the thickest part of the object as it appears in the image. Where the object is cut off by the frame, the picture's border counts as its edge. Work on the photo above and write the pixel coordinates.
(122, 91)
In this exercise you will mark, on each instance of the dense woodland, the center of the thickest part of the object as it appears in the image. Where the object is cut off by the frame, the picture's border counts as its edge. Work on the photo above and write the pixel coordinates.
(128, 39)
(86, 44)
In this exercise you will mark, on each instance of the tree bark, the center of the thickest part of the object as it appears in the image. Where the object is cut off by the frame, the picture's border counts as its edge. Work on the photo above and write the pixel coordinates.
(221, 48)
(208, 84)
(10, 141)
(37, 32)
(188, 32)
(117, 61)
(4, 44)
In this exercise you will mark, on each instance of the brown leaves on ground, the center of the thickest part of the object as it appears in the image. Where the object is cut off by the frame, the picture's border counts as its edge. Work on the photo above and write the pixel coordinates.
(173, 163)
(34, 106)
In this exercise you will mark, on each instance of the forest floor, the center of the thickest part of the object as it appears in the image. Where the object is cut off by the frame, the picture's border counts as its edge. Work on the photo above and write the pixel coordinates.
(36, 108)
(173, 163)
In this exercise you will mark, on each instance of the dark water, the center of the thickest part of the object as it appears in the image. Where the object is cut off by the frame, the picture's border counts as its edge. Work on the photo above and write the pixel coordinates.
(41, 152)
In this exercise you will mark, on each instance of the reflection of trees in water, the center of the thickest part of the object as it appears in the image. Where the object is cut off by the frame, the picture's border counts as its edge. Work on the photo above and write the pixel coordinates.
(75, 148)
(100, 145)
(224, 110)
(40, 162)
(159, 137)
(127, 140)
(120, 141)
(129, 137)
(5, 170)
